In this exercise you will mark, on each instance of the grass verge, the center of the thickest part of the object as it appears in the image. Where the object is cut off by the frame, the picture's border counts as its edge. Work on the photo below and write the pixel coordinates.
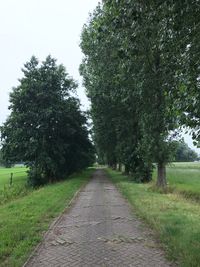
(23, 221)
(176, 220)
(184, 179)
(19, 176)
(19, 186)
(10, 193)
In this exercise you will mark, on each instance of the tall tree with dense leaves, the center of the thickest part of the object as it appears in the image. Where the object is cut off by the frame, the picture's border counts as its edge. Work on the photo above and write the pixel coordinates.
(123, 65)
(46, 128)
(185, 17)
(141, 72)
(109, 83)
(98, 91)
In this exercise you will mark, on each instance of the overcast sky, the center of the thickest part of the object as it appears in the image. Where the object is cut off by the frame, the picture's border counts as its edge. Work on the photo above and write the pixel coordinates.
(41, 27)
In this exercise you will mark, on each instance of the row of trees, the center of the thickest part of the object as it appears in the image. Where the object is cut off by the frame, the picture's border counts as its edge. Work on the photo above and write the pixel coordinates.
(46, 128)
(183, 153)
(142, 73)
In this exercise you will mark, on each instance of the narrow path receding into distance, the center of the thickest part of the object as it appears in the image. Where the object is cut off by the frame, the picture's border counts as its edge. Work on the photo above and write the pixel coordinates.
(99, 230)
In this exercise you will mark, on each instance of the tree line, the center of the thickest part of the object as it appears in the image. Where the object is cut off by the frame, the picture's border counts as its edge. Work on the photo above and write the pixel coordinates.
(142, 74)
(46, 128)
(183, 153)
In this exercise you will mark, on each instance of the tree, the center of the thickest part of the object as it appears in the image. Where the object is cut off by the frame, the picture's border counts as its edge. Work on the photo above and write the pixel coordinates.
(141, 72)
(123, 65)
(183, 153)
(46, 128)
(3, 162)
(187, 29)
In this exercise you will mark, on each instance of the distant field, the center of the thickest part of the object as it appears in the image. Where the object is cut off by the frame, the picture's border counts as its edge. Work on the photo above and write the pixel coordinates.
(184, 177)
(19, 175)
(18, 187)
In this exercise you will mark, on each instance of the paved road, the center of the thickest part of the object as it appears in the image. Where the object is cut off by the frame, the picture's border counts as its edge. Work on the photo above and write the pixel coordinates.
(99, 231)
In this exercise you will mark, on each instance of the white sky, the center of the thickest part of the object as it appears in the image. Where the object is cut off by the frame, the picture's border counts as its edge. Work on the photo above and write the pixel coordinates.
(41, 27)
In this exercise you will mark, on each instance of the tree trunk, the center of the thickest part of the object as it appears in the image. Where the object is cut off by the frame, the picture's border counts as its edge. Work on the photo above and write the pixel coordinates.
(127, 170)
(114, 166)
(161, 178)
(119, 167)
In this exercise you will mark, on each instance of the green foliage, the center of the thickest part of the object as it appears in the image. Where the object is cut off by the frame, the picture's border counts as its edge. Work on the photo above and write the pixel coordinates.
(183, 152)
(187, 40)
(114, 106)
(46, 128)
(141, 81)
(3, 162)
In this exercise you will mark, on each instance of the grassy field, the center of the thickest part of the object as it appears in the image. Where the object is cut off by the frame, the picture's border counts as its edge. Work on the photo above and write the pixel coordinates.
(174, 218)
(18, 188)
(23, 221)
(184, 178)
(19, 176)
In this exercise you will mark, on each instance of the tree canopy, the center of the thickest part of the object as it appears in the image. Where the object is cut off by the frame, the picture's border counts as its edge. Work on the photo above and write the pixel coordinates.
(46, 128)
(142, 80)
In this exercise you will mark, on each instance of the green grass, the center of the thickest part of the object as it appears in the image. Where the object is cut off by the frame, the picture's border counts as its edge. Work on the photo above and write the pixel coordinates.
(23, 221)
(184, 178)
(18, 188)
(19, 176)
(175, 219)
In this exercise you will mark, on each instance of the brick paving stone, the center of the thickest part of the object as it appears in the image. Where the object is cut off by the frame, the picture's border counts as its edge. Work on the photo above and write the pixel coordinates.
(99, 230)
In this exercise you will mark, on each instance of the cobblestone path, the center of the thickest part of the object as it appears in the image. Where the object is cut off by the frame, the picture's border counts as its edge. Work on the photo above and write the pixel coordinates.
(99, 231)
